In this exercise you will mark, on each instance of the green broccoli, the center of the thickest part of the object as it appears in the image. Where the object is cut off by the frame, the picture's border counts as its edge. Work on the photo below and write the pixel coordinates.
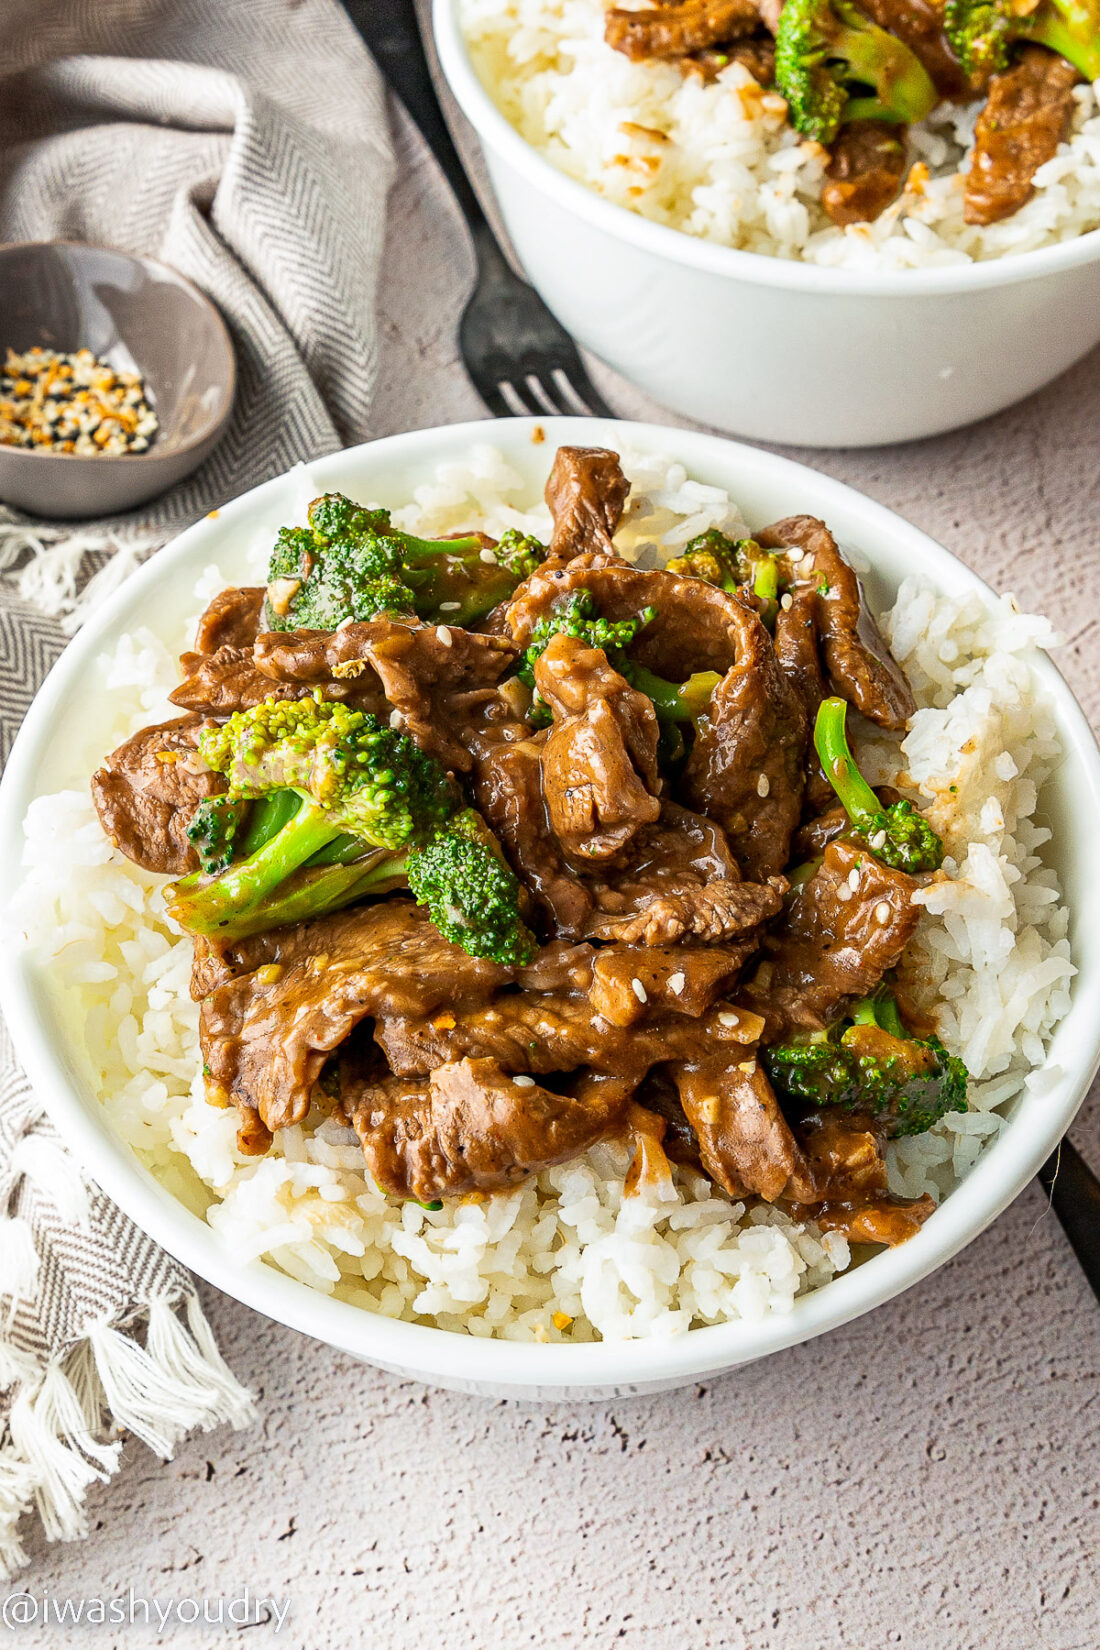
(899, 834)
(213, 831)
(351, 563)
(869, 1063)
(982, 33)
(579, 616)
(833, 65)
(346, 807)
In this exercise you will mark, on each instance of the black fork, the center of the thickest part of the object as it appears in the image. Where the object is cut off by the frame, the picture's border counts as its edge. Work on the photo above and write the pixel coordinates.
(521, 360)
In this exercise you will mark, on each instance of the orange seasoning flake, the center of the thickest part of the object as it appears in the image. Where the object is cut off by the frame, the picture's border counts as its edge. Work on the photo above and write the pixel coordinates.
(73, 403)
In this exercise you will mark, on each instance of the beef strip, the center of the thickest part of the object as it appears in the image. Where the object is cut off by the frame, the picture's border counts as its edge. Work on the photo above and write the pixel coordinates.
(1025, 118)
(267, 1031)
(746, 765)
(745, 1143)
(556, 1032)
(845, 1157)
(218, 684)
(599, 763)
(629, 983)
(148, 789)
(659, 1095)
(919, 24)
(470, 1127)
(233, 619)
(833, 943)
(680, 881)
(756, 53)
(800, 661)
(867, 163)
(675, 30)
(853, 650)
(696, 625)
(586, 492)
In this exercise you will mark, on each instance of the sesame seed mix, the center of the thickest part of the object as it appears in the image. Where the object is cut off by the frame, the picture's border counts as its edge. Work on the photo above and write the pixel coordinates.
(763, 785)
(639, 989)
(73, 403)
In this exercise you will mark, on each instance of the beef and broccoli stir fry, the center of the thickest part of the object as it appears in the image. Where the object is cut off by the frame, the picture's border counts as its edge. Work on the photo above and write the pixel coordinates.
(854, 77)
(499, 849)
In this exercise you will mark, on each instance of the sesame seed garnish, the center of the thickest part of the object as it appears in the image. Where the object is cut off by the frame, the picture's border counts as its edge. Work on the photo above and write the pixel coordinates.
(853, 878)
(444, 635)
(747, 1065)
(882, 912)
(524, 1082)
(639, 990)
(728, 1018)
(396, 720)
(489, 555)
(73, 403)
(763, 785)
(795, 556)
(343, 625)
(843, 893)
(786, 602)
(449, 607)
(878, 840)
(677, 982)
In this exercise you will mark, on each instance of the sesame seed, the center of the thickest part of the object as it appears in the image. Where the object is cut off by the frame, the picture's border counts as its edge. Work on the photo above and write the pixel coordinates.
(729, 1018)
(677, 982)
(843, 893)
(449, 607)
(639, 990)
(524, 1082)
(396, 720)
(786, 602)
(807, 563)
(795, 556)
(444, 635)
(747, 1065)
(343, 625)
(489, 556)
(878, 840)
(882, 912)
(763, 785)
(853, 878)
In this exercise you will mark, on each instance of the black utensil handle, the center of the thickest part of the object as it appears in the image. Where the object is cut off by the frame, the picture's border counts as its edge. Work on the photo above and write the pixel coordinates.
(1074, 1193)
(392, 33)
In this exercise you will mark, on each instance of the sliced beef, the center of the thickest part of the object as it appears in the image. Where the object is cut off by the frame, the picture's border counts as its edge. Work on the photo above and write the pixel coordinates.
(883, 1219)
(845, 1157)
(556, 1032)
(507, 783)
(559, 966)
(630, 983)
(867, 162)
(218, 684)
(919, 23)
(678, 29)
(471, 1127)
(267, 1031)
(659, 1095)
(1026, 116)
(599, 763)
(834, 942)
(696, 625)
(746, 766)
(233, 619)
(147, 791)
(800, 661)
(745, 1142)
(586, 492)
(680, 881)
(855, 655)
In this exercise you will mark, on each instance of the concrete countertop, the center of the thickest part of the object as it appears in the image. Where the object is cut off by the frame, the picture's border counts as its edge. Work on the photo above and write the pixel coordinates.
(926, 1477)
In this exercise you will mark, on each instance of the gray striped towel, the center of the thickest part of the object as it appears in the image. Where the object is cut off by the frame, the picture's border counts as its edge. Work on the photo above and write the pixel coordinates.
(245, 143)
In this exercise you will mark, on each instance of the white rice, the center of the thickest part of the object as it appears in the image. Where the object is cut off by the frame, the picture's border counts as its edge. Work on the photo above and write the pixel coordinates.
(721, 161)
(567, 1257)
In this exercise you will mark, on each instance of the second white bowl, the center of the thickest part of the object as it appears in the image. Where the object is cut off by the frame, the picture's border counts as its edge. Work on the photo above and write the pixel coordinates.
(774, 349)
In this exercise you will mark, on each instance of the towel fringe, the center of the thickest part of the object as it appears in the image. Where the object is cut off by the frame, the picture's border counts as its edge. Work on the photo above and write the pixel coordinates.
(64, 1424)
(46, 565)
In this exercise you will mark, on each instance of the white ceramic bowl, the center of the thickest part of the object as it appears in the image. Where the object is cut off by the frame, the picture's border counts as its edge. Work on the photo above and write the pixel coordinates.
(64, 716)
(770, 348)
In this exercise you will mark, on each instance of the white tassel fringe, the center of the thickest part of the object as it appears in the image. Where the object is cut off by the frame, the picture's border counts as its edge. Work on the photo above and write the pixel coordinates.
(50, 575)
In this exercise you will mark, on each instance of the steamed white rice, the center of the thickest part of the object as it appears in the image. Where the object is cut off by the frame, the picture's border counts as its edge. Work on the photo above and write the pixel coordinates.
(720, 161)
(567, 1257)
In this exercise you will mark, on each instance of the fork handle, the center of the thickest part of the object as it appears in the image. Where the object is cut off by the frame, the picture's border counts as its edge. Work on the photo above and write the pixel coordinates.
(390, 30)
(1074, 1193)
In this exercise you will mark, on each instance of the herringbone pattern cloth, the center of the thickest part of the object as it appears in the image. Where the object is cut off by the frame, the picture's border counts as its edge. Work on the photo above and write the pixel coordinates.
(245, 143)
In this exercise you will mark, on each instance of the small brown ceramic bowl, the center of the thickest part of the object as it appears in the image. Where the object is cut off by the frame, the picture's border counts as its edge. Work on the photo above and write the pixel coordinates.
(140, 316)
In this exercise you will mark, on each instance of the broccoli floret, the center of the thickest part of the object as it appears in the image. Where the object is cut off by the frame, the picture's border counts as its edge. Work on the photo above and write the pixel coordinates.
(470, 892)
(899, 834)
(351, 563)
(579, 616)
(869, 1063)
(345, 807)
(520, 553)
(213, 831)
(714, 558)
(982, 33)
(834, 65)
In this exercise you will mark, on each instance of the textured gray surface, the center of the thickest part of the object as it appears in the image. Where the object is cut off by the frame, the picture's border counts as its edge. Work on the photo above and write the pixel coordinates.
(927, 1477)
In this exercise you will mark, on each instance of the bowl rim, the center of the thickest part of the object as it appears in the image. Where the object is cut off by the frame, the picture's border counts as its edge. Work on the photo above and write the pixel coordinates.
(225, 404)
(423, 1351)
(677, 246)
